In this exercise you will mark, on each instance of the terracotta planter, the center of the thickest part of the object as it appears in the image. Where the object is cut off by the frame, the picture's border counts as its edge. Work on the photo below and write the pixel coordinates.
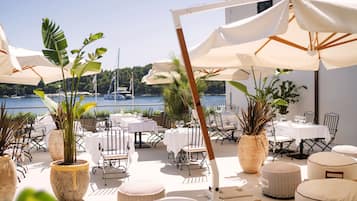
(55, 144)
(7, 178)
(252, 152)
(70, 182)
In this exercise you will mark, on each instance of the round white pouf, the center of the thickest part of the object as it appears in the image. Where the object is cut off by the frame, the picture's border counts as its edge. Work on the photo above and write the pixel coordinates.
(329, 165)
(140, 191)
(176, 199)
(327, 190)
(280, 179)
(348, 150)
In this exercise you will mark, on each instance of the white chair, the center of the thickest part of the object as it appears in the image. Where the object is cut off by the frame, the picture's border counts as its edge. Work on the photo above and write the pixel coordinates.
(195, 146)
(114, 149)
(278, 144)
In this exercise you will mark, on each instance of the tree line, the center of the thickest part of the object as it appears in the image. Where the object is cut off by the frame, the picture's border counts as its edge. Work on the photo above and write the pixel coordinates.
(103, 83)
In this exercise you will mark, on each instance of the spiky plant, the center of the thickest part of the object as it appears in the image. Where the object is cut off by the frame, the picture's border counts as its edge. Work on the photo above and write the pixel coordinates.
(55, 51)
(8, 129)
(177, 95)
(254, 119)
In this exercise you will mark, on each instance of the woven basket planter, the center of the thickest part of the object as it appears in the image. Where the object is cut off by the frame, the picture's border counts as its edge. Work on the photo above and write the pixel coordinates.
(252, 152)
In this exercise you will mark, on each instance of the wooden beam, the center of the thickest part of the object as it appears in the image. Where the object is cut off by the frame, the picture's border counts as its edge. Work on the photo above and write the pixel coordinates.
(340, 43)
(195, 95)
(335, 40)
(326, 39)
(289, 43)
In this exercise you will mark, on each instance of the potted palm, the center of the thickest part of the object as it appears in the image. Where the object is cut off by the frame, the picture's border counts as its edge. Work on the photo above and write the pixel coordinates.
(7, 166)
(70, 176)
(253, 144)
(177, 95)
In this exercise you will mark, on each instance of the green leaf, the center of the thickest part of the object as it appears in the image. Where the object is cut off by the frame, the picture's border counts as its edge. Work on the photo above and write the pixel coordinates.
(48, 102)
(90, 66)
(280, 102)
(100, 51)
(75, 51)
(96, 36)
(39, 93)
(25, 194)
(241, 87)
(43, 196)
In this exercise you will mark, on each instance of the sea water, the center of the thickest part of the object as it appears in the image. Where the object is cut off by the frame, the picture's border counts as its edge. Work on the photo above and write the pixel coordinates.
(35, 105)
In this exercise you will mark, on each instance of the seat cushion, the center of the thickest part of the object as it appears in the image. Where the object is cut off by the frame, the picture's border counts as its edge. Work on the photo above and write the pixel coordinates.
(348, 150)
(330, 164)
(280, 179)
(141, 188)
(327, 190)
(176, 199)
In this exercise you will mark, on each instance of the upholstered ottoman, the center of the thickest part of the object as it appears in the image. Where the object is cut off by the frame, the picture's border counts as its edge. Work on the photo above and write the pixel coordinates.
(140, 191)
(327, 190)
(176, 199)
(280, 179)
(348, 150)
(331, 165)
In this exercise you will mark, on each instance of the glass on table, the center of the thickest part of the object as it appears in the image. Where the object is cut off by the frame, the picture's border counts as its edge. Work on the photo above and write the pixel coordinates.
(179, 124)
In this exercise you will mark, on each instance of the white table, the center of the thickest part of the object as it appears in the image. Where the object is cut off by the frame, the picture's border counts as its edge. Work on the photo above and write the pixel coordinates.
(137, 125)
(300, 132)
(115, 118)
(175, 139)
(92, 140)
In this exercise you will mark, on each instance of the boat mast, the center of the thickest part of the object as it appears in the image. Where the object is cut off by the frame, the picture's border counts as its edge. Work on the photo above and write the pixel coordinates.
(116, 79)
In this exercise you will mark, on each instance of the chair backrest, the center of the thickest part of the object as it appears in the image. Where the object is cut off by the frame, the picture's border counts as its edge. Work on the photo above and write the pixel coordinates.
(116, 142)
(331, 121)
(310, 116)
(195, 138)
(218, 119)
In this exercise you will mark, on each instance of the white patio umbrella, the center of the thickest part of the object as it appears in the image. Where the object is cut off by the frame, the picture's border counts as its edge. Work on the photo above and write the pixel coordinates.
(34, 68)
(163, 72)
(280, 38)
(7, 61)
(316, 16)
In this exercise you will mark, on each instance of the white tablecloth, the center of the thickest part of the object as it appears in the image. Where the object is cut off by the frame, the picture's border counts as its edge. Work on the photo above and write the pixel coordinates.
(135, 124)
(175, 139)
(115, 118)
(300, 131)
(92, 141)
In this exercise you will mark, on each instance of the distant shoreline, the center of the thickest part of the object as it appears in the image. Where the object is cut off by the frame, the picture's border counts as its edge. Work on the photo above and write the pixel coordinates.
(90, 94)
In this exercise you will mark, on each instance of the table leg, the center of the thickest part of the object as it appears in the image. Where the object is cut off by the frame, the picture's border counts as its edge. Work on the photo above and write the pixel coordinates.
(301, 154)
(140, 141)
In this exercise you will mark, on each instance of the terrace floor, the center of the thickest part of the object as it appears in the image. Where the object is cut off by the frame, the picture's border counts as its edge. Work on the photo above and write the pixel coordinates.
(153, 164)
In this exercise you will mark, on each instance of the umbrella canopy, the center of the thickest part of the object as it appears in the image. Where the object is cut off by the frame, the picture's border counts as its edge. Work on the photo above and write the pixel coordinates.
(295, 36)
(34, 68)
(163, 72)
(7, 61)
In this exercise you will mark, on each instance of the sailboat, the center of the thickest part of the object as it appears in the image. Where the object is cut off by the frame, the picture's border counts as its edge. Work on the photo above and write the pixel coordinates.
(114, 92)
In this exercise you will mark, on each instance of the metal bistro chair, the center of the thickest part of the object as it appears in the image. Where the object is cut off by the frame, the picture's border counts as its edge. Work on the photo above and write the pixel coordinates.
(278, 144)
(331, 121)
(195, 146)
(114, 149)
(225, 131)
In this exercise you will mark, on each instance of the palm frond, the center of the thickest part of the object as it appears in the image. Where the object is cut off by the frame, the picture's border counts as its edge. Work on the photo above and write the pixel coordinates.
(55, 43)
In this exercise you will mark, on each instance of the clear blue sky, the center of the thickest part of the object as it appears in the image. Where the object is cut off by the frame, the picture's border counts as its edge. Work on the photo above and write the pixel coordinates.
(143, 30)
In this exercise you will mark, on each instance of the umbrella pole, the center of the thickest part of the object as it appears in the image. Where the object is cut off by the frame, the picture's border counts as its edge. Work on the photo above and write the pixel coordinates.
(316, 84)
(196, 99)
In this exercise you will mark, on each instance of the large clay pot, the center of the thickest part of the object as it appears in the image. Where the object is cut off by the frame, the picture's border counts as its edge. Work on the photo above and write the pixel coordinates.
(7, 178)
(55, 144)
(70, 182)
(252, 152)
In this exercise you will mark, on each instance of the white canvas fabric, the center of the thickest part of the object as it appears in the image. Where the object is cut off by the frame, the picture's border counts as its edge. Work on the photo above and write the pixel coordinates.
(34, 68)
(285, 45)
(7, 61)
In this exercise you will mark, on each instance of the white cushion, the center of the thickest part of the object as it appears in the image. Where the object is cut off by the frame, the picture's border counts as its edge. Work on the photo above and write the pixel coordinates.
(319, 164)
(348, 150)
(327, 190)
(176, 199)
(140, 188)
